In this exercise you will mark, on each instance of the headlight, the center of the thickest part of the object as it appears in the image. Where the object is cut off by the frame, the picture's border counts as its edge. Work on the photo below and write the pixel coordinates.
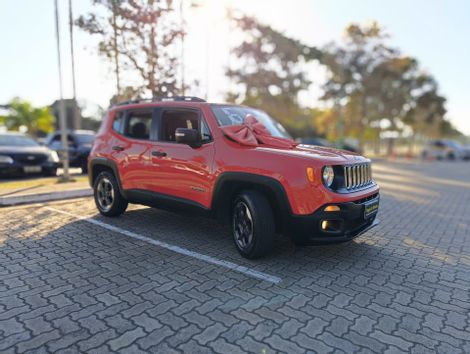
(5, 159)
(328, 176)
(53, 157)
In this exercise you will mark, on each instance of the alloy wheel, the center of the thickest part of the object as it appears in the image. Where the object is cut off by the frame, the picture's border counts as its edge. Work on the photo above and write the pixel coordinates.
(105, 194)
(242, 225)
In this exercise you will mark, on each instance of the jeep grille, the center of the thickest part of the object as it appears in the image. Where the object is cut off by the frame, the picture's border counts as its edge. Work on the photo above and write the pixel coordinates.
(357, 176)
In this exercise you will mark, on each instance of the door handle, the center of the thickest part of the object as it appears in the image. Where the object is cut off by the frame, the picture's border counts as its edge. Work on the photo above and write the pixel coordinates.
(158, 153)
(118, 148)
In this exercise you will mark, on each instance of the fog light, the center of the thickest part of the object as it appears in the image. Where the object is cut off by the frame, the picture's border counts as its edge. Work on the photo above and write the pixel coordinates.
(332, 208)
(331, 226)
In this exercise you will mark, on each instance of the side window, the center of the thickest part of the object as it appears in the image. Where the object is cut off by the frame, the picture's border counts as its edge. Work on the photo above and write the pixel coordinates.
(117, 122)
(55, 143)
(172, 120)
(138, 124)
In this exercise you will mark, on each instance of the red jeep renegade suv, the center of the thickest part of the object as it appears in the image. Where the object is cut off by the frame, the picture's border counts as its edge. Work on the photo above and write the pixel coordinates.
(231, 162)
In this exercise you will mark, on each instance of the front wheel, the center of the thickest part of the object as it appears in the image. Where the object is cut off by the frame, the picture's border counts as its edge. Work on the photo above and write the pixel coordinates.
(253, 224)
(108, 198)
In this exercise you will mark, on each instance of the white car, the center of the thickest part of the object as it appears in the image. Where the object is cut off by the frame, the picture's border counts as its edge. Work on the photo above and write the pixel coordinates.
(446, 150)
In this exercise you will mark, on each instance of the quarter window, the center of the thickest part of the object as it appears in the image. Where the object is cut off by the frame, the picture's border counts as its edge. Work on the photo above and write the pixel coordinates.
(117, 123)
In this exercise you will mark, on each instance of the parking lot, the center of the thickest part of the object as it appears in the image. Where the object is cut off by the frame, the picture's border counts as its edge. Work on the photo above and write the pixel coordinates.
(154, 281)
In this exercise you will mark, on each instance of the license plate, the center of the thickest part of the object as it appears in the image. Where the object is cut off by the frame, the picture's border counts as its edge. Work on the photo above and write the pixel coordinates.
(371, 207)
(32, 169)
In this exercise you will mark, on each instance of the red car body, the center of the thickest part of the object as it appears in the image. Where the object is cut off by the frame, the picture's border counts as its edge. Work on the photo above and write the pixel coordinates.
(203, 177)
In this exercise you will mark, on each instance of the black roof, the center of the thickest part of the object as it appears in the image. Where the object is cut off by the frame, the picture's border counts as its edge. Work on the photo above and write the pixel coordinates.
(163, 99)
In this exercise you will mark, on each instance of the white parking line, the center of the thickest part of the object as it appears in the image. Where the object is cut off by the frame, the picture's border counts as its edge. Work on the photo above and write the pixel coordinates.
(208, 259)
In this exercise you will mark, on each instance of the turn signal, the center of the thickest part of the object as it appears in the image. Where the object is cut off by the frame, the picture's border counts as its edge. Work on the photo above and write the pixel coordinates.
(332, 208)
(310, 174)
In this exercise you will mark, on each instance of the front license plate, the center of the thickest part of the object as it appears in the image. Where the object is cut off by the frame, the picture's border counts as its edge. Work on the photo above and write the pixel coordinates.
(32, 169)
(371, 207)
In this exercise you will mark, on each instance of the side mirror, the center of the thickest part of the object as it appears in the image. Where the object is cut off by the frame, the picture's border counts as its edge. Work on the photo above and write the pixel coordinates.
(188, 136)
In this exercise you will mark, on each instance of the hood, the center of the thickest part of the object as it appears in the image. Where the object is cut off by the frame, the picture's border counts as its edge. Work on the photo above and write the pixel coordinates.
(321, 153)
(13, 150)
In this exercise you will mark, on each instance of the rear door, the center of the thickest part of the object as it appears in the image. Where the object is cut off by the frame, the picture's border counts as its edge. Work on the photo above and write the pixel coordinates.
(132, 145)
(179, 170)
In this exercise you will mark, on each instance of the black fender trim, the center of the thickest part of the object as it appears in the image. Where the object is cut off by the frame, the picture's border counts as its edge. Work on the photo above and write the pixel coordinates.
(278, 196)
(166, 202)
(102, 161)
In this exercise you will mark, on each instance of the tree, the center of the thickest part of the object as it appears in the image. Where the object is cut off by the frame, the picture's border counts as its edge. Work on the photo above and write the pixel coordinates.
(140, 36)
(373, 88)
(37, 120)
(270, 73)
(352, 81)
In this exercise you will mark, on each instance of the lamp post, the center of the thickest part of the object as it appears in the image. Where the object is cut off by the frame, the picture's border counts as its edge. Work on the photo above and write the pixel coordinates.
(76, 118)
(62, 121)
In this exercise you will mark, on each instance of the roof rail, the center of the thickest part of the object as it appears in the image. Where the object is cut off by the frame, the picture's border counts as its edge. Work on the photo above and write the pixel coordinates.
(180, 98)
(163, 99)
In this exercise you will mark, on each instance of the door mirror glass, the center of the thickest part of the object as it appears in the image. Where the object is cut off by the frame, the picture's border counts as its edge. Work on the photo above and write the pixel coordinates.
(187, 136)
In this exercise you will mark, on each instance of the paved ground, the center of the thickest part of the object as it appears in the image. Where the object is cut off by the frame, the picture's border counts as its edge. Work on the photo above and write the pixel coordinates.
(68, 285)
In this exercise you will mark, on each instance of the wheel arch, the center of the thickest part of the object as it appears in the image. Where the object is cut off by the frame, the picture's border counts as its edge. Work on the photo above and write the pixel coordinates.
(229, 184)
(100, 164)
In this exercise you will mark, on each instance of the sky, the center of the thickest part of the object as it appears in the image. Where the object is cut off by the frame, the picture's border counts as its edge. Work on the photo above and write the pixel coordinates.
(435, 32)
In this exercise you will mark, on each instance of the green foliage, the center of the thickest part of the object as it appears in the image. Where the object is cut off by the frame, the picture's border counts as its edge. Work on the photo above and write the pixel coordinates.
(270, 74)
(139, 36)
(38, 120)
(374, 88)
(370, 86)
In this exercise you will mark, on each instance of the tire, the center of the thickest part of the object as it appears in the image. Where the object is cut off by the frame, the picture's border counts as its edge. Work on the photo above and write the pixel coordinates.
(84, 166)
(253, 225)
(108, 198)
(51, 173)
(451, 156)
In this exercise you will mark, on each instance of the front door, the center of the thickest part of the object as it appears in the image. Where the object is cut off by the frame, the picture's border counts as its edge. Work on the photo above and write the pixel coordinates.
(179, 170)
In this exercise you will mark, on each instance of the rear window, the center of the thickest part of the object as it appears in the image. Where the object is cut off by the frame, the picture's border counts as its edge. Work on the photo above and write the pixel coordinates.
(138, 124)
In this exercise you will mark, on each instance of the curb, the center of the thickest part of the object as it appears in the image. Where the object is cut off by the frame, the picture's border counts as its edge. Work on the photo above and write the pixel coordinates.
(45, 197)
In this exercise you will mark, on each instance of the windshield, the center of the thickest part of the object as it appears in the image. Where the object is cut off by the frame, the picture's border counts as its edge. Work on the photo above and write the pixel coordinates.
(16, 140)
(85, 138)
(235, 115)
(453, 144)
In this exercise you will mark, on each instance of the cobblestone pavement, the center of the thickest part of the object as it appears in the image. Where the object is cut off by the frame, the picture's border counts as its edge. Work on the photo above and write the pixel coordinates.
(67, 285)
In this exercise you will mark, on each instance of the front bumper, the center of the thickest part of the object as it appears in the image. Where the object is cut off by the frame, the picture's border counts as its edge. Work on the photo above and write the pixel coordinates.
(18, 169)
(349, 222)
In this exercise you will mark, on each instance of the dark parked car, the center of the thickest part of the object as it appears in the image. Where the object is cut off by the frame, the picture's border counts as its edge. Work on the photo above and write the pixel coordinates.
(20, 155)
(80, 143)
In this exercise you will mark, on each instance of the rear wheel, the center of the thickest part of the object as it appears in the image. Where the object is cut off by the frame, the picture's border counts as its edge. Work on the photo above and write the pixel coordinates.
(253, 224)
(108, 198)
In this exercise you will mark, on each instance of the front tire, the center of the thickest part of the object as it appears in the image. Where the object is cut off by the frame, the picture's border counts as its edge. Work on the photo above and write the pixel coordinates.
(84, 166)
(253, 225)
(108, 198)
